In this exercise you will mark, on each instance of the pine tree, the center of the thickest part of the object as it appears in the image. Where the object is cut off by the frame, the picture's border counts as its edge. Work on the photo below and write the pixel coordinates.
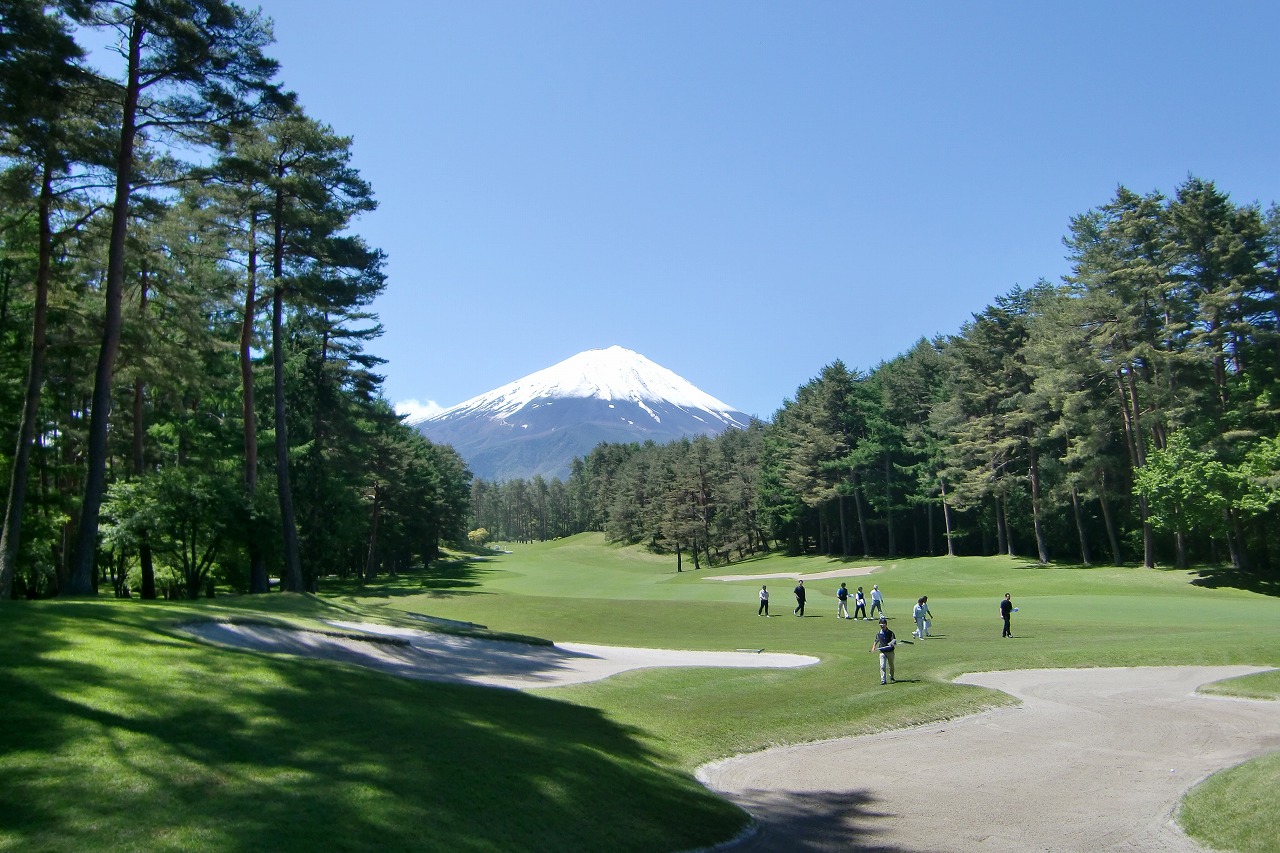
(192, 67)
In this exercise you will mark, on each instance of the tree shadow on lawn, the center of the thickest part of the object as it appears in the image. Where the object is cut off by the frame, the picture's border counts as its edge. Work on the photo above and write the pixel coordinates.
(442, 576)
(230, 750)
(1213, 578)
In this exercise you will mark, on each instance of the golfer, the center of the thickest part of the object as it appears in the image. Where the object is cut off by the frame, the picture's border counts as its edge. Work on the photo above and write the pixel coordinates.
(917, 613)
(859, 604)
(842, 608)
(764, 602)
(1006, 613)
(884, 643)
(799, 591)
(877, 601)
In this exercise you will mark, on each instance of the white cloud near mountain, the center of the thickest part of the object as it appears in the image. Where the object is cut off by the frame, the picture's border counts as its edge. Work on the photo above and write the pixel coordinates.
(416, 411)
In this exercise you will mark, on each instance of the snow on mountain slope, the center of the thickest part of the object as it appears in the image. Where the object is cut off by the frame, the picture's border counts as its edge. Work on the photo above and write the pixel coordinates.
(613, 374)
(537, 425)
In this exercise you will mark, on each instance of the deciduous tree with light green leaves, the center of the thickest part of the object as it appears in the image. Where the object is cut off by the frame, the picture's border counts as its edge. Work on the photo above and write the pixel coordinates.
(1186, 489)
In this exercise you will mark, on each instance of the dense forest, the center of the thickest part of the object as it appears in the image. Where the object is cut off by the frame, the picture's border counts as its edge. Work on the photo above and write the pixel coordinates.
(183, 320)
(1125, 414)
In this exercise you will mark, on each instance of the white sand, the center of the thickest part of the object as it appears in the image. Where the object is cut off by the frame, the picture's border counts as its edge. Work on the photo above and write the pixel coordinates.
(813, 576)
(1093, 760)
(442, 657)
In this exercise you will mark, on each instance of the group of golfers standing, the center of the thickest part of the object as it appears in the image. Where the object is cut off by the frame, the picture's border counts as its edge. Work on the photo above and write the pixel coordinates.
(842, 596)
(885, 641)
(859, 603)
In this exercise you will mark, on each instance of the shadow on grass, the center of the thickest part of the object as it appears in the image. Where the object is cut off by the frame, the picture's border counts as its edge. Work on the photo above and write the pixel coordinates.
(119, 735)
(453, 576)
(1236, 579)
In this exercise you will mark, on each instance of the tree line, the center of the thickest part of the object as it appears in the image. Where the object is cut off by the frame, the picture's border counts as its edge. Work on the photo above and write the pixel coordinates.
(184, 310)
(1125, 414)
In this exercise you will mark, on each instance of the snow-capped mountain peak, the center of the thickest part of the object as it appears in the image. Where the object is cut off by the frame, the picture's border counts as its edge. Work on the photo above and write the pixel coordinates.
(613, 374)
(538, 424)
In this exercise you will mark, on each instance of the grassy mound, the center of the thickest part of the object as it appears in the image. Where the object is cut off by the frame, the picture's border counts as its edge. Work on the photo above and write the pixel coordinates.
(123, 734)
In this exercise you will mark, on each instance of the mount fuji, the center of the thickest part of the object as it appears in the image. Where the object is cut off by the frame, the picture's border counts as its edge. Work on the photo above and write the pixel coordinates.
(539, 424)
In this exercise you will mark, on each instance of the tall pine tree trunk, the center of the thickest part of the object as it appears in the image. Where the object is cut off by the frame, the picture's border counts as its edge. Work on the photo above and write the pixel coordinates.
(888, 507)
(259, 582)
(292, 580)
(1008, 528)
(862, 516)
(1037, 522)
(1080, 531)
(1002, 535)
(1138, 451)
(930, 536)
(11, 538)
(1234, 539)
(145, 561)
(946, 517)
(1113, 537)
(844, 529)
(82, 579)
(371, 563)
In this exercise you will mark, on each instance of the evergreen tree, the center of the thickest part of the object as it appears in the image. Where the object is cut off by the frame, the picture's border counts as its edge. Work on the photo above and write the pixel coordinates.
(191, 67)
(38, 76)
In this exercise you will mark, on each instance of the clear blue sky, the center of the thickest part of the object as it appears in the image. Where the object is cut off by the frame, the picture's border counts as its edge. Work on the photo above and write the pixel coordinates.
(746, 191)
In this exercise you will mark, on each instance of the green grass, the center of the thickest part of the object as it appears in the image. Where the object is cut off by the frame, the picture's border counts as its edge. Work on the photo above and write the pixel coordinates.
(1262, 685)
(122, 733)
(1235, 809)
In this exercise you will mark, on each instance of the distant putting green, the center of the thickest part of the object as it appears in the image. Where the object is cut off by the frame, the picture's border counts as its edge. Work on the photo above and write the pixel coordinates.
(124, 734)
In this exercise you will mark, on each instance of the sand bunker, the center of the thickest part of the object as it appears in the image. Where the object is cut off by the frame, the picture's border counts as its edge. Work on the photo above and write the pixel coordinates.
(1094, 759)
(443, 657)
(815, 576)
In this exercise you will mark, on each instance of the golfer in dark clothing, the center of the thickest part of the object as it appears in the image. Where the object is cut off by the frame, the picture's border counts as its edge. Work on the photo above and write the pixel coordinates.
(884, 643)
(1006, 613)
(859, 604)
(799, 591)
